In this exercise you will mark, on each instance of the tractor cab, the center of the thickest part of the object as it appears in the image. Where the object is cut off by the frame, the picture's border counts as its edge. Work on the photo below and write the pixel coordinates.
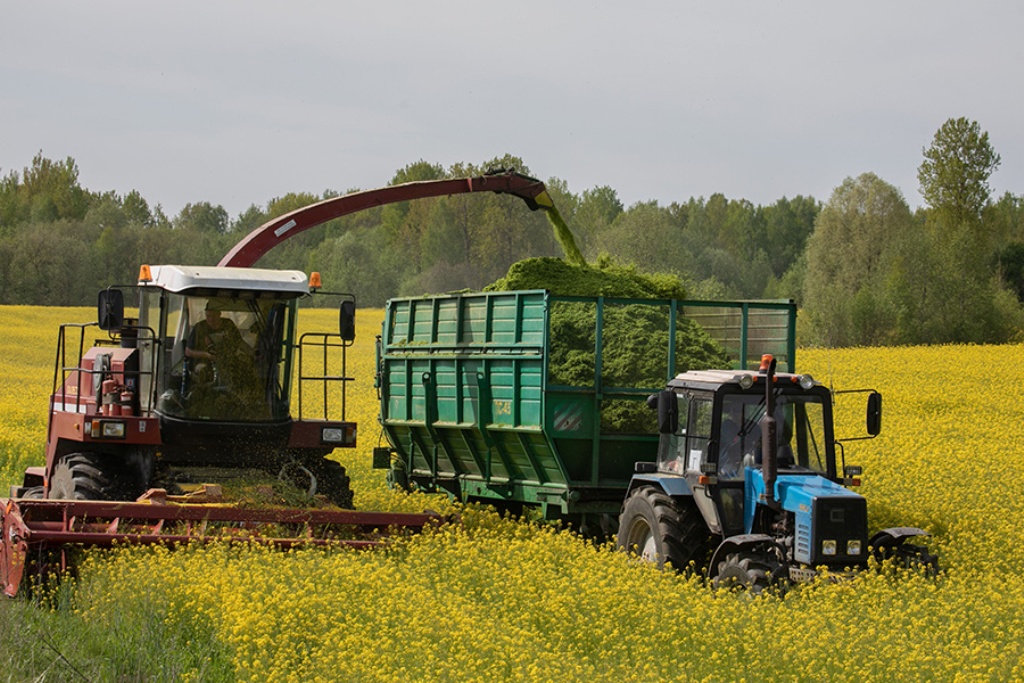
(720, 434)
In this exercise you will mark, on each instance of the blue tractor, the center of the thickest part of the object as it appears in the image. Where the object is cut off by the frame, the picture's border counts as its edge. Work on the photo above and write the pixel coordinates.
(747, 484)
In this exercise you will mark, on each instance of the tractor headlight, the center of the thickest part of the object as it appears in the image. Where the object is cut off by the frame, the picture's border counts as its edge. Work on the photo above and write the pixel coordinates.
(746, 381)
(853, 547)
(806, 382)
(828, 547)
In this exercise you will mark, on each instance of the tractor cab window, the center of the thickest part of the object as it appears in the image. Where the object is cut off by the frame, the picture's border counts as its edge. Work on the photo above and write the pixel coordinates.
(687, 449)
(226, 358)
(800, 420)
(672, 447)
(699, 434)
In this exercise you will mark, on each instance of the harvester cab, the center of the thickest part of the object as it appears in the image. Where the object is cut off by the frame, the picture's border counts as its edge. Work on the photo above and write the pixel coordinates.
(748, 484)
(201, 381)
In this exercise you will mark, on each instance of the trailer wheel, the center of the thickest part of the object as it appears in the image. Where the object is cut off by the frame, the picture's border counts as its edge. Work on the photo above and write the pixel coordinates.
(84, 476)
(751, 570)
(662, 531)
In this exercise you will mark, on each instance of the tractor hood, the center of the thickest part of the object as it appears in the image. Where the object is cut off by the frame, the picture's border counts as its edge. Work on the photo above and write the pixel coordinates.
(822, 511)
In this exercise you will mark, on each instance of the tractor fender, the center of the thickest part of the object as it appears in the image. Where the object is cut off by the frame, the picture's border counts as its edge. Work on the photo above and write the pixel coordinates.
(895, 535)
(735, 544)
(673, 485)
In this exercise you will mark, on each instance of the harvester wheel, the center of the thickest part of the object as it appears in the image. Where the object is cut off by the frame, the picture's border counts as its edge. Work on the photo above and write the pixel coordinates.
(751, 570)
(662, 530)
(84, 476)
(332, 482)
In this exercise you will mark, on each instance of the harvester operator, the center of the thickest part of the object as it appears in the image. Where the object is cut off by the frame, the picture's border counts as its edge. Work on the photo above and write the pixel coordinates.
(225, 383)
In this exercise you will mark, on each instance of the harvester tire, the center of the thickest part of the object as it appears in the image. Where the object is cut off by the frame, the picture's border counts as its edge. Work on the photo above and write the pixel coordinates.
(84, 476)
(751, 570)
(332, 482)
(662, 530)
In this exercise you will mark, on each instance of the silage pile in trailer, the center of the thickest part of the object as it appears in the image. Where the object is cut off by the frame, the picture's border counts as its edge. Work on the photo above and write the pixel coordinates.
(635, 338)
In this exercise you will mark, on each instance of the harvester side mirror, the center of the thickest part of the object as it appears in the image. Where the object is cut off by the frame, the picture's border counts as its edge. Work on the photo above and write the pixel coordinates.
(668, 410)
(347, 320)
(110, 309)
(874, 423)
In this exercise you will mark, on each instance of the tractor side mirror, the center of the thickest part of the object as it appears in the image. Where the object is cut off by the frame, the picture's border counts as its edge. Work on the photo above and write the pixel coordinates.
(110, 309)
(668, 410)
(874, 422)
(347, 320)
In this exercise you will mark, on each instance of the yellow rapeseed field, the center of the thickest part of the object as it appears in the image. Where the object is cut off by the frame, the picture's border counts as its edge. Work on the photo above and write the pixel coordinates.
(500, 600)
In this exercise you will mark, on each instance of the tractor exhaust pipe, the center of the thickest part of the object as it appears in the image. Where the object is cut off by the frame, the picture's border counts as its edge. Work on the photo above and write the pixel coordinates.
(769, 433)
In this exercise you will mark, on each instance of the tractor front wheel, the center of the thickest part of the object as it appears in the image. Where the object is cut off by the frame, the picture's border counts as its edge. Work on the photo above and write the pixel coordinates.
(751, 570)
(662, 531)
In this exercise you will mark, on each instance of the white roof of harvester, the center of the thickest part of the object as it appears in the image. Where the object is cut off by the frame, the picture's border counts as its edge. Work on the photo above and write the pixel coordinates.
(182, 278)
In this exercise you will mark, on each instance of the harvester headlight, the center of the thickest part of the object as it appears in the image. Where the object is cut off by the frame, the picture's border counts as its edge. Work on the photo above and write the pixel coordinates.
(828, 547)
(332, 435)
(108, 429)
(853, 547)
(343, 435)
(806, 382)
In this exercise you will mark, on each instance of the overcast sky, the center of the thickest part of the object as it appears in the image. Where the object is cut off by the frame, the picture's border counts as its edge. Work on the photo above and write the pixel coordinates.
(237, 103)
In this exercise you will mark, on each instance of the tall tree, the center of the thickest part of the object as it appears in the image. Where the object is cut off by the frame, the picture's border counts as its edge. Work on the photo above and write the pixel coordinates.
(966, 235)
(955, 171)
(849, 259)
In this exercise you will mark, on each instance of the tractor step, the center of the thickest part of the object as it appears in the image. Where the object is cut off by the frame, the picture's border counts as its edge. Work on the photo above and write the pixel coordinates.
(29, 526)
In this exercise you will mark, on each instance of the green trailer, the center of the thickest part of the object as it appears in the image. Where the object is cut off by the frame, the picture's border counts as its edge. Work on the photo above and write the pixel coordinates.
(526, 399)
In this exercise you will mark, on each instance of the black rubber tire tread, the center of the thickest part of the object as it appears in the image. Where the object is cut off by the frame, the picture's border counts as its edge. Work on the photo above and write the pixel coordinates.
(681, 536)
(87, 476)
(753, 571)
(332, 482)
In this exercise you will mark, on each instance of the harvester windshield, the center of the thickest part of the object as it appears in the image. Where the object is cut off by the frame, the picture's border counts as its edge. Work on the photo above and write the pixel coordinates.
(225, 356)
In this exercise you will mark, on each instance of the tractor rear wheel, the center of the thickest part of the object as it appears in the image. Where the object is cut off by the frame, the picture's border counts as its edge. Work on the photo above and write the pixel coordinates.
(662, 530)
(752, 570)
(85, 476)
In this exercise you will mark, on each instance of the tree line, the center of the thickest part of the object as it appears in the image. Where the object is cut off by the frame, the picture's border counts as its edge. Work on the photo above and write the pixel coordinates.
(864, 268)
